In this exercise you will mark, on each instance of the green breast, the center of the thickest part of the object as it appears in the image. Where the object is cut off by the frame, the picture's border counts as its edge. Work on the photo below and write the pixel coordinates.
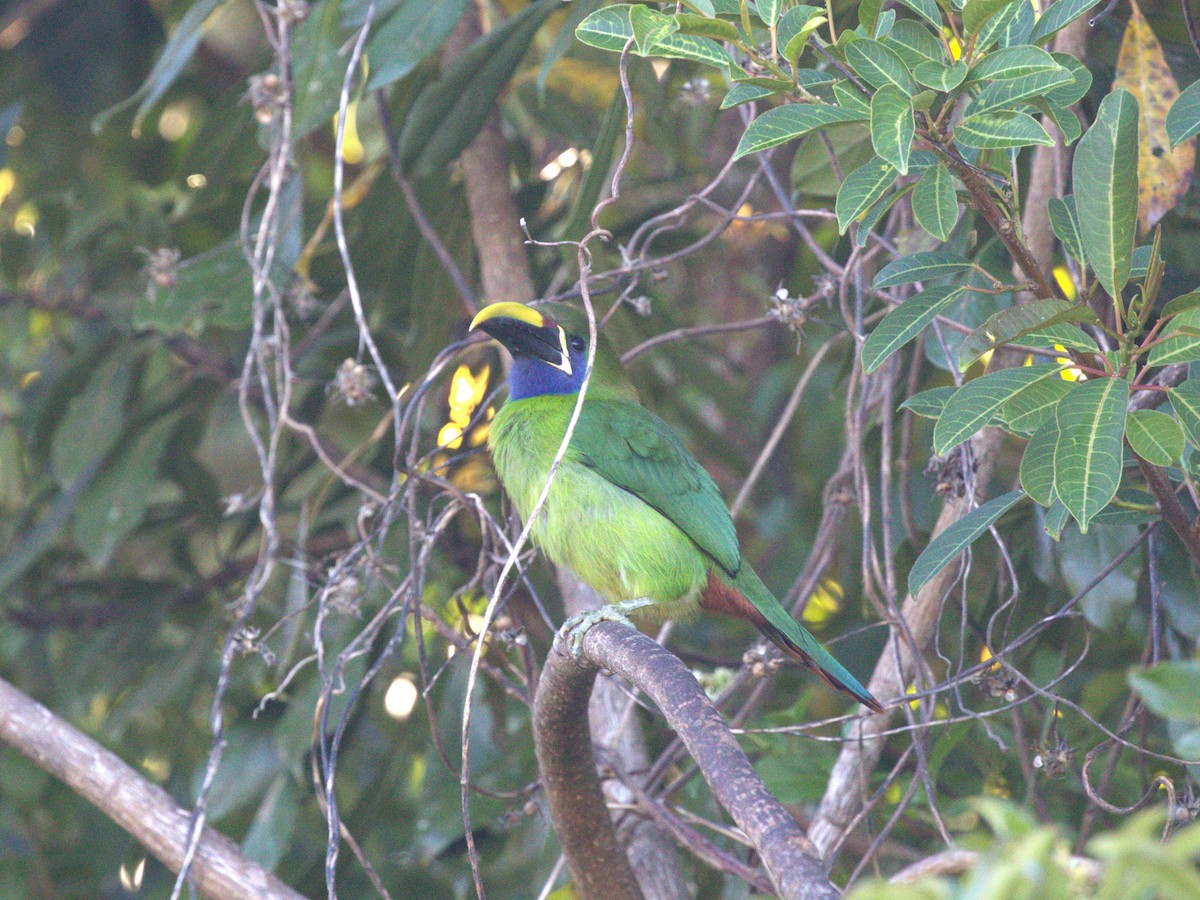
(607, 536)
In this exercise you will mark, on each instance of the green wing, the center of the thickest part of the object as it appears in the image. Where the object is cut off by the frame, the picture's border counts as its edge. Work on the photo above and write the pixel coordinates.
(640, 453)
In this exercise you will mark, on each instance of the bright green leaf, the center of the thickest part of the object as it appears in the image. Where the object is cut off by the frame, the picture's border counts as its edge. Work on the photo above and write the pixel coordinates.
(649, 27)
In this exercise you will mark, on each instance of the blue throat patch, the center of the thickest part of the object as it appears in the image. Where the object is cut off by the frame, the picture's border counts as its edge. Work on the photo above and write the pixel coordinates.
(530, 377)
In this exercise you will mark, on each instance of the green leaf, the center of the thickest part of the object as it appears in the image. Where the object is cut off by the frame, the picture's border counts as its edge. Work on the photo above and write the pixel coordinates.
(1037, 462)
(934, 202)
(1183, 119)
(1154, 436)
(1065, 223)
(1169, 688)
(741, 92)
(612, 127)
(1013, 323)
(1180, 304)
(929, 404)
(414, 32)
(871, 218)
(1184, 347)
(117, 501)
(1006, 94)
(861, 189)
(879, 65)
(892, 126)
(768, 11)
(915, 44)
(94, 419)
(649, 27)
(1065, 120)
(1060, 14)
(851, 98)
(1185, 400)
(795, 28)
(920, 267)
(704, 7)
(947, 546)
(1028, 411)
(1010, 27)
(974, 404)
(927, 10)
(1081, 81)
(1056, 519)
(1012, 62)
(1139, 262)
(318, 67)
(607, 28)
(940, 76)
(1001, 131)
(176, 54)
(904, 323)
(1106, 189)
(778, 126)
(1087, 458)
(706, 26)
(449, 112)
(976, 13)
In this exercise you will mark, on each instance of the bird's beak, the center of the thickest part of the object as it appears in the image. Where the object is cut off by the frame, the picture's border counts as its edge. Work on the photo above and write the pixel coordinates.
(525, 332)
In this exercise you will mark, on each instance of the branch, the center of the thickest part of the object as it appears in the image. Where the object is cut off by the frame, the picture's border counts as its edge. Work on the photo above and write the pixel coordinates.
(573, 791)
(143, 809)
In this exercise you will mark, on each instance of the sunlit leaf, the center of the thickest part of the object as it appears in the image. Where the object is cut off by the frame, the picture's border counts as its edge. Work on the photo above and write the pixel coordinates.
(1163, 174)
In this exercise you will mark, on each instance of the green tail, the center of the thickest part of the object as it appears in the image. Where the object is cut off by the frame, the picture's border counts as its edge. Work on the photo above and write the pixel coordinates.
(792, 637)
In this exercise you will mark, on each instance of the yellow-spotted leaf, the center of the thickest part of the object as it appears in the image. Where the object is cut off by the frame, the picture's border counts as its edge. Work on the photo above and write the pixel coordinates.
(1163, 174)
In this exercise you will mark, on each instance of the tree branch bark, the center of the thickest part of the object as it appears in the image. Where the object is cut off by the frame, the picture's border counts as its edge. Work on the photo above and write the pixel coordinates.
(143, 809)
(569, 773)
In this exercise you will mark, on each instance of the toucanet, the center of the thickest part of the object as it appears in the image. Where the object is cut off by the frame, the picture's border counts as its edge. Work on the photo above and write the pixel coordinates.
(630, 510)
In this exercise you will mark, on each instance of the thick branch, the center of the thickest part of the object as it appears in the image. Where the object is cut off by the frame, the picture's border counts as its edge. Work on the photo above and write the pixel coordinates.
(569, 774)
(143, 809)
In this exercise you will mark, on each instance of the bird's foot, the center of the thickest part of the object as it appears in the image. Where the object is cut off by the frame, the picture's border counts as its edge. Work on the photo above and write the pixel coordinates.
(576, 627)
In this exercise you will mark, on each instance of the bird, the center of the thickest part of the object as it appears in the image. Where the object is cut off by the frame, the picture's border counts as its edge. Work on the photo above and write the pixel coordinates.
(630, 511)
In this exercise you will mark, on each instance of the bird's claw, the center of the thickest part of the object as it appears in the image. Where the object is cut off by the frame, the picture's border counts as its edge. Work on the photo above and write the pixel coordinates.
(577, 626)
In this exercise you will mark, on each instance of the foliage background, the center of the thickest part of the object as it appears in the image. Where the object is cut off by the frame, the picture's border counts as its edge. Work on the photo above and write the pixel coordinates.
(130, 483)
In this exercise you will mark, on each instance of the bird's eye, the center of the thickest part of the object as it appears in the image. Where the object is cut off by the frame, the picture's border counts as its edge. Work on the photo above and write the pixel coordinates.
(577, 344)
